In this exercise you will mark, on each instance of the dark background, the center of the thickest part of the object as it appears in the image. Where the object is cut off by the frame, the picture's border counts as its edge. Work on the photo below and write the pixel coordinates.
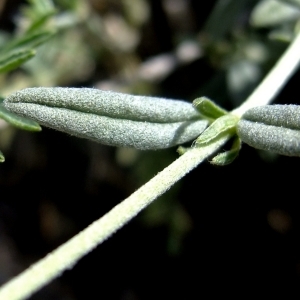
(221, 231)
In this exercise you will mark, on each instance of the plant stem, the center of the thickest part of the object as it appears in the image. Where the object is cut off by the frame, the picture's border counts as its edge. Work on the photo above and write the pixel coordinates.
(275, 80)
(69, 253)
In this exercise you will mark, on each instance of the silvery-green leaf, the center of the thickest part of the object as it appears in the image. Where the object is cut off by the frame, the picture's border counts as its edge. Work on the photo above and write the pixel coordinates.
(272, 127)
(110, 118)
(277, 139)
(277, 115)
(273, 12)
(208, 108)
(110, 104)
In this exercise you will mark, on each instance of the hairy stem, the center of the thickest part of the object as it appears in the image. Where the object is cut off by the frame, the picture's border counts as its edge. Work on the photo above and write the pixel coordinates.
(69, 253)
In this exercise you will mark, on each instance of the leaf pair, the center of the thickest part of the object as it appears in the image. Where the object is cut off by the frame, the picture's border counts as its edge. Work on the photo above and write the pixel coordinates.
(153, 123)
(110, 118)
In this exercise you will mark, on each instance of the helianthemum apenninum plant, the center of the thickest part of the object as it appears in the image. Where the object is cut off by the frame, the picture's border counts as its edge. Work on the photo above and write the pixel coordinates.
(152, 123)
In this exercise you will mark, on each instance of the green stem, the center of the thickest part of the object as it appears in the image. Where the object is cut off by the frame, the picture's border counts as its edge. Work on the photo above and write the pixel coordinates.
(69, 253)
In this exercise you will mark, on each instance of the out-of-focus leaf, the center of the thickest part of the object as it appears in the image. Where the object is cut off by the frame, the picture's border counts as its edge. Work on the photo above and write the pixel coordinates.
(242, 77)
(272, 12)
(20, 122)
(29, 41)
(13, 59)
(38, 12)
(282, 35)
(223, 17)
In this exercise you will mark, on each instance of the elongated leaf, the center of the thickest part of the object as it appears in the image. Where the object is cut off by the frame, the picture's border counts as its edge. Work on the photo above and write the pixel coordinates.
(272, 127)
(277, 139)
(18, 121)
(114, 132)
(14, 59)
(39, 12)
(110, 104)
(110, 118)
(277, 115)
(40, 22)
(29, 41)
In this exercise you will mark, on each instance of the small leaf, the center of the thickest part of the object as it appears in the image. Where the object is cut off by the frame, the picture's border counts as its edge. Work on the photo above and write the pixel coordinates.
(20, 122)
(208, 108)
(228, 157)
(14, 59)
(181, 150)
(219, 127)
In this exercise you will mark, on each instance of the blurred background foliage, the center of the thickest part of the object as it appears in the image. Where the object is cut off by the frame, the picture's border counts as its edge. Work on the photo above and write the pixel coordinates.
(223, 231)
